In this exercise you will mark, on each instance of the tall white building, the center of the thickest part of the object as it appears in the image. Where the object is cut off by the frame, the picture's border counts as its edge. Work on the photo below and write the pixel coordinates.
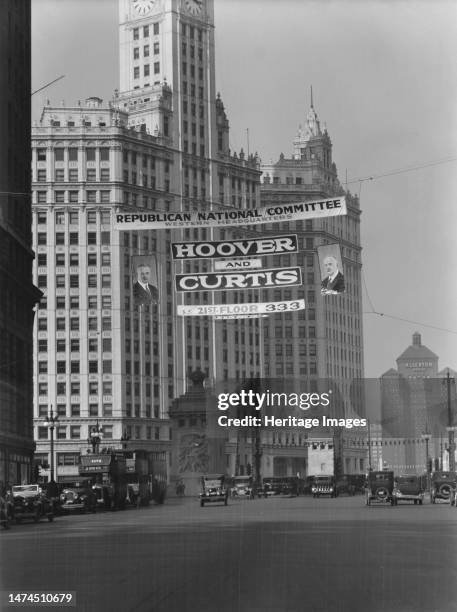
(160, 144)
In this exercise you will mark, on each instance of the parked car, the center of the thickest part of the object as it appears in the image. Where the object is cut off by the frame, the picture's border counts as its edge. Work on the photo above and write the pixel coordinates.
(242, 487)
(409, 487)
(29, 502)
(324, 485)
(380, 487)
(76, 498)
(213, 489)
(443, 486)
(271, 486)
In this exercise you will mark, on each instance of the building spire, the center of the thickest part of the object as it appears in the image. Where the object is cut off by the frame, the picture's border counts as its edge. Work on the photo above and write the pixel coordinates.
(312, 106)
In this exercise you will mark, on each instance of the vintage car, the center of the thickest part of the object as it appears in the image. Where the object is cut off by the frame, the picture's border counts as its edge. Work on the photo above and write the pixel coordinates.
(443, 486)
(409, 487)
(380, 487)
(78, 498)
(271, 486)
(29, 502)
(324, 485)
(242, 487)
(213, 489)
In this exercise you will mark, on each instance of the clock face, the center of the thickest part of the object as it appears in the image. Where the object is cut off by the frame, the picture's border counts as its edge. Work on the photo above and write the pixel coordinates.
(194, 6)
(142, 7)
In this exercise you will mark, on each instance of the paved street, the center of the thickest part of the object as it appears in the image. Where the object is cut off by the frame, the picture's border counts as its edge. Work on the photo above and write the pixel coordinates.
(275, 555)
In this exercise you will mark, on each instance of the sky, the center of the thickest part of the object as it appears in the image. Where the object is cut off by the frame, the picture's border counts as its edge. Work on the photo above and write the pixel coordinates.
(384, 81)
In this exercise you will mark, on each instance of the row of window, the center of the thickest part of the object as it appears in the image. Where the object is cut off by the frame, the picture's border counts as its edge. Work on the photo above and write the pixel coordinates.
(184, 47)
(73, 215)
(192, 32)
(146, 31)
(146, 70)
(73, 238)
(74, 344)
(75, 388)
(146, 50)
(62, 431)
(73, 154)
(73, 259)
(74, 302)
(61, 324)
(73, 175)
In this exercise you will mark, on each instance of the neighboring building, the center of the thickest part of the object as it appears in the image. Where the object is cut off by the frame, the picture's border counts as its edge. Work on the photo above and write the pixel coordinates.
(18, 296)
(322, 345)
(160, 144)
(414, 403)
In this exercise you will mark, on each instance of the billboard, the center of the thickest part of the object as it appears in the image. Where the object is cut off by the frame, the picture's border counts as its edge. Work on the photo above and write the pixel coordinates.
(248, 308)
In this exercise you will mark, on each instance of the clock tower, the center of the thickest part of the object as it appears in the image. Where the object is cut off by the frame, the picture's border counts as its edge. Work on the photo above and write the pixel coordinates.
(167, 70)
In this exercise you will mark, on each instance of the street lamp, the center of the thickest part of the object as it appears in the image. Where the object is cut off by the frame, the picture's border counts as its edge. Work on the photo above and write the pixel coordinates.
(95, 438)
(427, 436)
(50, 423)
(450, 428)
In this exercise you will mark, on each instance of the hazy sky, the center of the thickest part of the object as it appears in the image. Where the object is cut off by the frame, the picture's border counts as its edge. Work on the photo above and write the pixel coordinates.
(384, 81)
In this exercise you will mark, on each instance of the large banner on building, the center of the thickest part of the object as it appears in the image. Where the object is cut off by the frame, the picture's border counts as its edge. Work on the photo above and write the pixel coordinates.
(331, 265)
(296, 211)
(226, 281)
(248, 308)
(266, 245)
(144, 275)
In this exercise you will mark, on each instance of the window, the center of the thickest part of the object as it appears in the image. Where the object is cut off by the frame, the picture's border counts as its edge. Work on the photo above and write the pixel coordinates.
(74, 323)
(93, 323)
(73, 175)
(146, 51)
(104, 196)
(74, 281)
(104, 174)
(91, 196)
(136, 72)
(60, 324)
(74, 348)
(59, 197)
(74, 301)
(61, 388)
(91, 175)
(42, 433)
(42, 346)
(74, 388)
(60, 238)
(61, 345)
(106, 281)
(155, 28)
(41, 238)
(61, 367)
(74, 238)
(156, 67)
(136, 33)
(106, 261)
(91, 237)
(90, 154)
(146, 70)
(93, 410)
(72, 154)
(41, 199)
(108, 432)
(41, 176)
(156, 48)
(93, 345)
(104, 154)
(136, 53)
(42, 367)
(74, 260)
(42, 281)
(107, 366)
(107, 387)
(107, 345)
(93, 367)
(41, 154)
(92, 302)
(75, 432)
(105, 238)
(73, 215)
(92, 261)
(60, 281)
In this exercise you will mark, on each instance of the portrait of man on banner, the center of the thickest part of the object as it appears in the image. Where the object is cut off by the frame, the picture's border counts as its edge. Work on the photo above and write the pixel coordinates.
(331, 267)
(145, 284)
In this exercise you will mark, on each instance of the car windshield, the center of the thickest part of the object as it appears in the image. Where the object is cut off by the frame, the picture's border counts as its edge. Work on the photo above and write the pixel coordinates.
(25, 488)
(212, 483)
(407, 479)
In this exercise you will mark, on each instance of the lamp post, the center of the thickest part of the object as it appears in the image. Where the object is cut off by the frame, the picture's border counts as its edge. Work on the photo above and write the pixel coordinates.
(450, 428)
(95, 437)
(427, 436)
(50, 423)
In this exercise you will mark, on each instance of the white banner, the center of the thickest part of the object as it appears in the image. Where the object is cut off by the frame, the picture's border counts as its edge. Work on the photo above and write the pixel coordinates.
(238, 264)
(295, 211)
(243, 279)
(265, 245)
(254, 316)
(252, 308)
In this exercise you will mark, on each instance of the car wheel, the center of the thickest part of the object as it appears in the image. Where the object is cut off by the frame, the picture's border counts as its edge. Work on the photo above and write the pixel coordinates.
(50, 518)
(202, 503)
(225, 501)
(36, 516)
(420, 502)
